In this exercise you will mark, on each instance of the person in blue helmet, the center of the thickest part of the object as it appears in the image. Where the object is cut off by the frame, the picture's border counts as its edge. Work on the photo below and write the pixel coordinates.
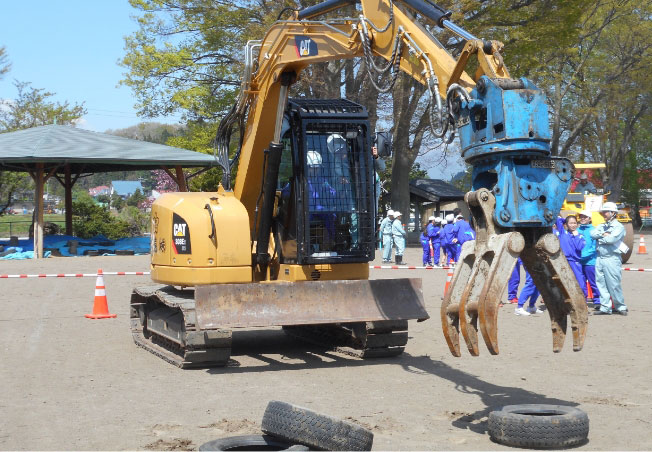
(447, 240)
(434, 233)
(572, 243)
(463, 232)
(398, 235)
(608, 265)
(587, 260)
(386, 231)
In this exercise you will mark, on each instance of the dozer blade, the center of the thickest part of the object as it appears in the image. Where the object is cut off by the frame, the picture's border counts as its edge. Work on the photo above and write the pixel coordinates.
(308, 303)
(472, 302)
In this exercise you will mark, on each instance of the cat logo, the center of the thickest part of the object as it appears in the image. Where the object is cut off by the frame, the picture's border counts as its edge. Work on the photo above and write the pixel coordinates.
(180, 229)
(180, 235)
(305, 46)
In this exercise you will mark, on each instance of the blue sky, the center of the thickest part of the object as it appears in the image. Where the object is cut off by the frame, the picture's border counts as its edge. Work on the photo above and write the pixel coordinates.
(71, 48)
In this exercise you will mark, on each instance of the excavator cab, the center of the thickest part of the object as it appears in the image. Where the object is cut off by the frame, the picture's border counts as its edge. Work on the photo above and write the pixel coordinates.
(325, 179)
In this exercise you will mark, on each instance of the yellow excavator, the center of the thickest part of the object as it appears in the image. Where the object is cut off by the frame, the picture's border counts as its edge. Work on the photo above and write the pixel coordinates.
(576, 201)
(289, 244)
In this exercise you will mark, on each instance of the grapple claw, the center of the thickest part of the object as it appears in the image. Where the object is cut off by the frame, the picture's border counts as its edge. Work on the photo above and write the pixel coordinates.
(484, 267)
(561, 293)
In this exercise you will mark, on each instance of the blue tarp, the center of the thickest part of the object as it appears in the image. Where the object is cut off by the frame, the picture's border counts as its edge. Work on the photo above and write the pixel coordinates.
(140, 245)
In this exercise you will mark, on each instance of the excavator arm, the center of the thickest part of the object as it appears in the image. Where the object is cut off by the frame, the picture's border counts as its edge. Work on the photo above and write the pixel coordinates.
(518, 188)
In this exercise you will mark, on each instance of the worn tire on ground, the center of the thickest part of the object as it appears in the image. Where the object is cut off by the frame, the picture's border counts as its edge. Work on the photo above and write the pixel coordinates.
(539, 426)
(301, 425)
(250, 442)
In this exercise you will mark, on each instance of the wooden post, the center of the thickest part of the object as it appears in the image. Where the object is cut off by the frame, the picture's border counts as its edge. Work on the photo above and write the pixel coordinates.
(181, 179)
(68, 190)
(38, 206)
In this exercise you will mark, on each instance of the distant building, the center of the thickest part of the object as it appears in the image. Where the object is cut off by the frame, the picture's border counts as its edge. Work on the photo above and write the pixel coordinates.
(97, 191)
(126, 188)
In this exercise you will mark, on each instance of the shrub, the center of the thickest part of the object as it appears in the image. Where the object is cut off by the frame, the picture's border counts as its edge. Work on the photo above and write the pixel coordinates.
(136, 220)
(89, 220)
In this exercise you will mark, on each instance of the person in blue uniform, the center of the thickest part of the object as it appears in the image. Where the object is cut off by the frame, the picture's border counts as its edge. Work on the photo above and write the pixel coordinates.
(447, 240)
(608, 266)
(386, 231)
(529, 294)
(588, 257)
(398, 235)
(514, 281)
(434, 233)
(425, 245)
(572, 243)
(463, 232)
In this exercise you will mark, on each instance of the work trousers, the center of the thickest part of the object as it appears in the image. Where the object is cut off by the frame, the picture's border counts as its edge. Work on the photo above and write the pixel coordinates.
(426, 253)
(399, 243)
(529, 292)
(579, 275)
(589, 275)
(387, 247)
(514, 281)
(608, 275)
(436, 245)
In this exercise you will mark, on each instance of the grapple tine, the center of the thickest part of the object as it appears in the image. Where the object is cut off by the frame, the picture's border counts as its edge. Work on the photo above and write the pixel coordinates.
(467, 271)
(560, 290)
(479, 280)
(450, 320)
(503, 250)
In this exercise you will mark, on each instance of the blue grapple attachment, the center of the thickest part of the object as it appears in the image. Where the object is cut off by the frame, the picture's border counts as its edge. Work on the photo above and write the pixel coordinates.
(518, 191)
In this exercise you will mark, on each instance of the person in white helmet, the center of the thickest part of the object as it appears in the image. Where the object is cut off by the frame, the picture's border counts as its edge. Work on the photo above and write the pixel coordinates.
(608, 266)
(434, 234)
(386, 231)
(398, 235)
(447, 240)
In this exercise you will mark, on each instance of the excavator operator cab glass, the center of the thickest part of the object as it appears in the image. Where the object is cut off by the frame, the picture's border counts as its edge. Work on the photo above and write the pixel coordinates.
(325, 185)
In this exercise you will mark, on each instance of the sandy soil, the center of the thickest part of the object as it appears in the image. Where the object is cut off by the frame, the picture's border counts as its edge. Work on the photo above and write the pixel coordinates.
(73, 383)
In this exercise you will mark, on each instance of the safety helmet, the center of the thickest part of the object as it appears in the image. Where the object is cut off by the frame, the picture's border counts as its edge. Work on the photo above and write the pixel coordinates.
(586, 213)
(609, 207)
(313, 159)
(336, 143)
(438, 220)
(431, 218)
(584, 177)
(450, 218)
(390, 213)
(397, 214)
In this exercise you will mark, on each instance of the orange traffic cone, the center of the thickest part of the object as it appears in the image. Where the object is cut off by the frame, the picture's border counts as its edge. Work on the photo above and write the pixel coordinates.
(641, 246)
(100, 306)
(449, 277)
(589, 292)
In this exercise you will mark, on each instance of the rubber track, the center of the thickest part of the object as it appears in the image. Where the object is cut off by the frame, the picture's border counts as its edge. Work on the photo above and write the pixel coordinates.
(200, 354)
(356, 339)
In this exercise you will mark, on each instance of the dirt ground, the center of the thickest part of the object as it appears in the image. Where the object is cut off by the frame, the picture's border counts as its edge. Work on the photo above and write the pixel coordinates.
(70, 383)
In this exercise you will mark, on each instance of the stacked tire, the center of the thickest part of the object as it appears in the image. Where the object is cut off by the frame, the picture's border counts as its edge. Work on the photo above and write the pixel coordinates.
(291, 427)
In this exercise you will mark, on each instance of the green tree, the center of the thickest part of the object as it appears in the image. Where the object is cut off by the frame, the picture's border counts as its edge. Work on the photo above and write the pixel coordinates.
(136, 198)
(117, 202)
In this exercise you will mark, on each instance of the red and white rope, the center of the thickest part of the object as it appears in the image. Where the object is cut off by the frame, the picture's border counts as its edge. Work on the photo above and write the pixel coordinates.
(74, 275)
